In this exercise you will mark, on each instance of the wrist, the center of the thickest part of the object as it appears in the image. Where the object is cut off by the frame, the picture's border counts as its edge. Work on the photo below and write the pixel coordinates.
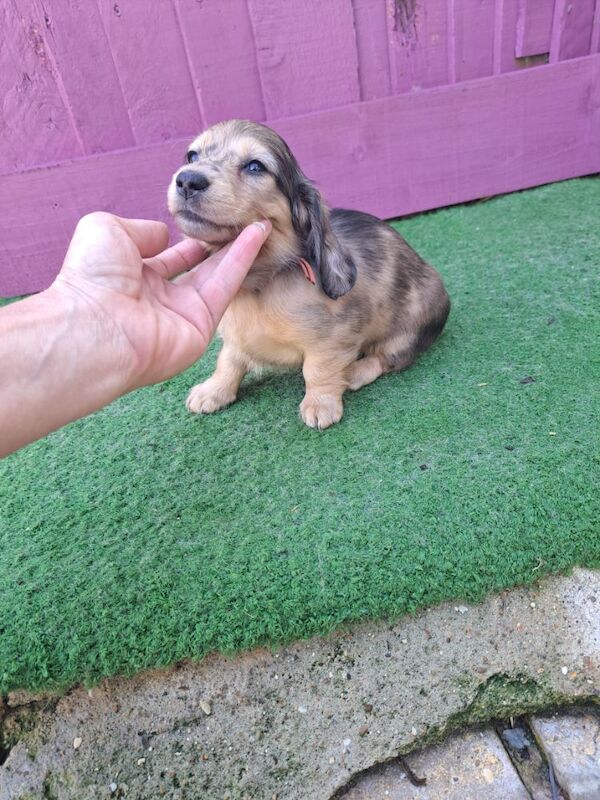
(63, 360)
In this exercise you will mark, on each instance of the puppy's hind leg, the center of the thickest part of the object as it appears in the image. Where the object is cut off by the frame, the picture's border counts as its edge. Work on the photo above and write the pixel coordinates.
(392, 355)
(398, 352)
(363, 371)
(221, 388)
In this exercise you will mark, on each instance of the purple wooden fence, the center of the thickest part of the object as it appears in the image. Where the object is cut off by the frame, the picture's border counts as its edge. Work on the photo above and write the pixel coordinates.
(392, 106)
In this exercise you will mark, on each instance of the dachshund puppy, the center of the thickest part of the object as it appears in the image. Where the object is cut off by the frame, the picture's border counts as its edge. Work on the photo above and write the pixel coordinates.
(338, 292)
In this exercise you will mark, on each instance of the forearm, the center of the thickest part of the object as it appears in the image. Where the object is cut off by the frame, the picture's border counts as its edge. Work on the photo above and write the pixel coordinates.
(58, 362)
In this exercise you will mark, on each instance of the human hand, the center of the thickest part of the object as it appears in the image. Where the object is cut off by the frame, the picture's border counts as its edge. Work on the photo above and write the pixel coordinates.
(119, 270)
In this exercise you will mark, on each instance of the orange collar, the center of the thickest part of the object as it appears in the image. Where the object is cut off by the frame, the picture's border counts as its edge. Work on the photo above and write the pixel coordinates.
(308, 271)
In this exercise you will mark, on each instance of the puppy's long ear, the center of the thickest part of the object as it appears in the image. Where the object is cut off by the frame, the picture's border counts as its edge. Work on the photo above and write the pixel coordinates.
(335, 268)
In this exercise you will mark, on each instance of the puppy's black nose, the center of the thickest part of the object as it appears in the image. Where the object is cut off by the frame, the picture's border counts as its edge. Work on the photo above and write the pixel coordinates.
(190, 183)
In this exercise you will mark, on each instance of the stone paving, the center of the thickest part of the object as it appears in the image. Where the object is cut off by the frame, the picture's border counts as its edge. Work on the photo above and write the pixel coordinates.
(476, 766)
(572, 746)
(469, 765)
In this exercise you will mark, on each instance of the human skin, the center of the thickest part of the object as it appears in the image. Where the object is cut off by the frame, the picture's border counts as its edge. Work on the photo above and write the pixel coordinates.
(112, 321)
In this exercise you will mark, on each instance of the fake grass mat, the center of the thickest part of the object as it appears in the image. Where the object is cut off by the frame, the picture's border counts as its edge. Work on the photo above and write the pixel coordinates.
(143, 535)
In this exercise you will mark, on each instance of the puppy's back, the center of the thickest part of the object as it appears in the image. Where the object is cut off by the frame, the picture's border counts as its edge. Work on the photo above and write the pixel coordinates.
(408, 293)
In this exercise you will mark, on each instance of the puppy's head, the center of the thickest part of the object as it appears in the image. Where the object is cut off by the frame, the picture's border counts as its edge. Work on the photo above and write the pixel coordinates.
(237, 172)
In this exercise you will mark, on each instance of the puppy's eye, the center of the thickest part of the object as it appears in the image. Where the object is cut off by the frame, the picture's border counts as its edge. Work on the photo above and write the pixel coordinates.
(191, 156)
(254, 167)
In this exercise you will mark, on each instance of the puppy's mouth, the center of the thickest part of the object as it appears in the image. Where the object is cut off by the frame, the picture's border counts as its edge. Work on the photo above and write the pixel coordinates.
(200, 227)
(191, 216)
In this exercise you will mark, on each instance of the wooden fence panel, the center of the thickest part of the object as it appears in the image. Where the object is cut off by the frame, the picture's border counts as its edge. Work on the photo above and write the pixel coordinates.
(75, 37)
(153, 70)
(370, 22)
(431, 148)
(571, 29)
(419, 47)
(220, 46)
(534, 27)
(394, 106)
(472, 38)
(505, 36)
(35, 121)
(595, 43)
(306, 55)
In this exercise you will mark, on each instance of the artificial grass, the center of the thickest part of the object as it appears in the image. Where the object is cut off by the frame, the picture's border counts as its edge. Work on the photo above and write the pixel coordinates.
(143, 535)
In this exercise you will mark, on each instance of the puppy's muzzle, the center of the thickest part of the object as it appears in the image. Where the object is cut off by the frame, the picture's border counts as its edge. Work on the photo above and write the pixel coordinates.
(190, 183)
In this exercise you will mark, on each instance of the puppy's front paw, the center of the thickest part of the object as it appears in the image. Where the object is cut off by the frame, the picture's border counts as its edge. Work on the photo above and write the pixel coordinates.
(207, 397)
(321, 410)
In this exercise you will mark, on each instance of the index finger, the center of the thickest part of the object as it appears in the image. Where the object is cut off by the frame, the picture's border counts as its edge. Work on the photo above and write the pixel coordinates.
(235, 264)
(219, 287)
(149, 235)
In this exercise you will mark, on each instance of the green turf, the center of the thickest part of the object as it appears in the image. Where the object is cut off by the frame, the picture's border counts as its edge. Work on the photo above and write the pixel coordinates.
(143, 535)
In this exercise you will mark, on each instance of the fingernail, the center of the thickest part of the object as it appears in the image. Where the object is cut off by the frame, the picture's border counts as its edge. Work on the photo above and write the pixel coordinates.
(261, 225)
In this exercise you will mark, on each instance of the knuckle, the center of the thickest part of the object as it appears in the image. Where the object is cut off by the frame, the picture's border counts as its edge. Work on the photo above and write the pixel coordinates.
(94, 218)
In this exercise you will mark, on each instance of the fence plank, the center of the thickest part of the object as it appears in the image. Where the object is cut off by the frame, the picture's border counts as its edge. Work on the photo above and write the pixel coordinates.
(67, 192)
(474, 38)
(306, 54)
(75, 36)
(534, 27)
(34, 120)
(153, 69)
(220, 45)
(571, 29)
(595, 44)
(457, 142)
(418, 46)
(372, 50)
(505, 36)
(390, 156)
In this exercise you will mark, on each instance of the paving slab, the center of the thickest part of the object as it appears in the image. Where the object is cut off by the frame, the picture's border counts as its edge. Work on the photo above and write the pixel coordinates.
(520, 742)
(470, 766)
(572, 745)
(300, 722)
